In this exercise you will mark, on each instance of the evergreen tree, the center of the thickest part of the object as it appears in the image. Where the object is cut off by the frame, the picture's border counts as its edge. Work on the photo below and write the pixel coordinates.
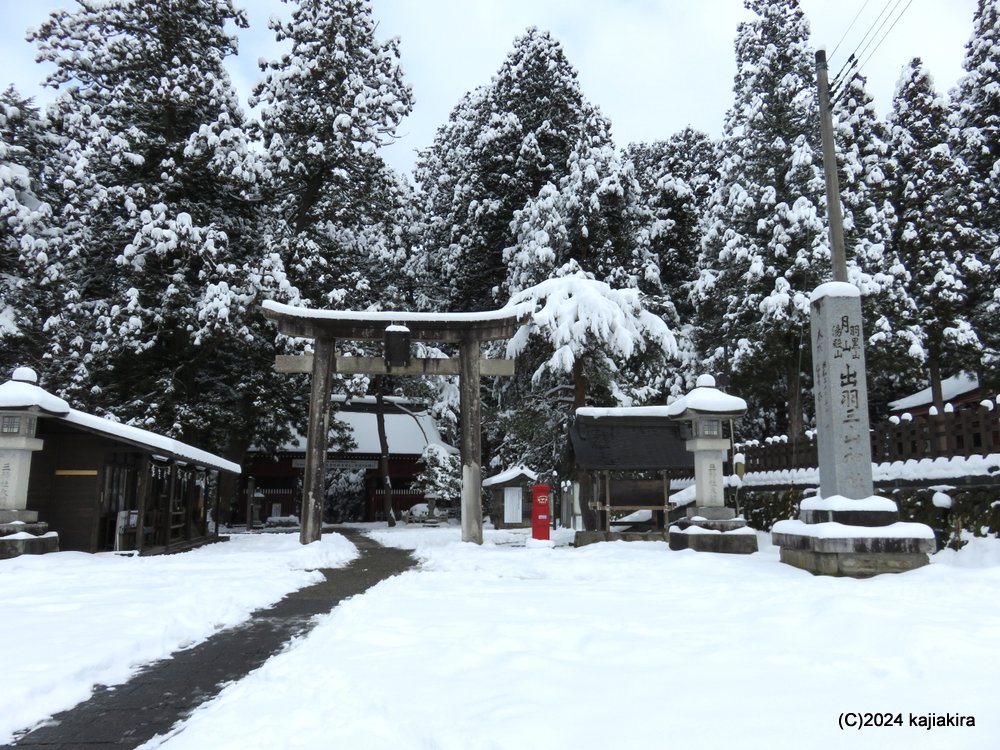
(159, 248)
(503, 144)
(976, 139)
(25, 220)
(677, 178)
(933, 235)
(765, 245)
(326, 106)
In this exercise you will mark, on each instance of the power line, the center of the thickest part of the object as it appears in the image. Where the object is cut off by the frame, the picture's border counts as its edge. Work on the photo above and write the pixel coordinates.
(873, 29)
(865, 5)
(885, 35)
(855, 64)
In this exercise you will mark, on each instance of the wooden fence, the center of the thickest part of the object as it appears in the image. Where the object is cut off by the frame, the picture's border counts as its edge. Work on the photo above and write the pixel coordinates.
(973, 431)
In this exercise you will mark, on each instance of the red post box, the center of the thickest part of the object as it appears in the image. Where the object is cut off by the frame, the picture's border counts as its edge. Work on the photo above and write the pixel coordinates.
(540, 511)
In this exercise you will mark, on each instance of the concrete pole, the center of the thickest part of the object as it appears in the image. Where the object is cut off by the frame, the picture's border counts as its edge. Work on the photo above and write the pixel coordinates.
(833, 210)
(471, 447)
(317, 442)
(839, 374)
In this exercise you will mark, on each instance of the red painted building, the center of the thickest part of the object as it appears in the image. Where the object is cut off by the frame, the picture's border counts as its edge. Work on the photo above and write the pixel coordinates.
(357, 486)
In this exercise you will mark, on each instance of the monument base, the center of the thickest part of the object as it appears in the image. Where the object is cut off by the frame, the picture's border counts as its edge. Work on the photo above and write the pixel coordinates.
(25, 543)
(857, 551)
(852, 565)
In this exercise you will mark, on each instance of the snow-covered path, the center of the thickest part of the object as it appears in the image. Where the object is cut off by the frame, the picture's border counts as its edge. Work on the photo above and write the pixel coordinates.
(627, 646)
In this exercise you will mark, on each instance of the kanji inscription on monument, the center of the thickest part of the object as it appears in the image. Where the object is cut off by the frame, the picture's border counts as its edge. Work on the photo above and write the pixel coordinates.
(841, 392)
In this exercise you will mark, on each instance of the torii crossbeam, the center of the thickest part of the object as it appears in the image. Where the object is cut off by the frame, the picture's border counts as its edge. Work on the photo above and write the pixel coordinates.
(468, 330)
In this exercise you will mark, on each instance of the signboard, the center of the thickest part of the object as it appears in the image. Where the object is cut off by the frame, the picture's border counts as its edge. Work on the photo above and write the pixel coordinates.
(341, 463)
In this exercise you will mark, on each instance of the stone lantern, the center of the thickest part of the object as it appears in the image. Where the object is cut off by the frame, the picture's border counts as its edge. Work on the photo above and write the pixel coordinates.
(21, 401)
(710, 525)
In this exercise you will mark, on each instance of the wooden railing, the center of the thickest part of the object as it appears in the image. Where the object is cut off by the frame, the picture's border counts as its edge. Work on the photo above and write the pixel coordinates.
(964, 432)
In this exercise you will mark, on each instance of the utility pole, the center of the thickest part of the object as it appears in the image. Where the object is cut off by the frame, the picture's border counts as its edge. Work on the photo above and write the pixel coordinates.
(833, 210)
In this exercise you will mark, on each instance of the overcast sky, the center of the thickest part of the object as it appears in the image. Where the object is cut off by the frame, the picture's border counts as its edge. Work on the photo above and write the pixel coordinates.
(653, 66)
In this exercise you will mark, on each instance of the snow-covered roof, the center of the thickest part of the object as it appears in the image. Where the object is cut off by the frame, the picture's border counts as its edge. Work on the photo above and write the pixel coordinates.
(514, 472)
(144, 438)
(623, 411)
(15, 394)
(407, 434)
(951, 388)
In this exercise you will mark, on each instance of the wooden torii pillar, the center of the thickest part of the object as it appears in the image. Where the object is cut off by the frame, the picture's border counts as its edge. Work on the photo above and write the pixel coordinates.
(324, 327)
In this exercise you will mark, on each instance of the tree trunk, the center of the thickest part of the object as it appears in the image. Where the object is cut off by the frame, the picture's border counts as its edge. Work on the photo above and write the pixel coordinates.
(383, 459)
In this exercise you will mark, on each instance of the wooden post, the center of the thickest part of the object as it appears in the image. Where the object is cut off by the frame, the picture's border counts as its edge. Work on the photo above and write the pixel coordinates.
(142, 491)
(317, 442)
(471, 448)
(251, 489)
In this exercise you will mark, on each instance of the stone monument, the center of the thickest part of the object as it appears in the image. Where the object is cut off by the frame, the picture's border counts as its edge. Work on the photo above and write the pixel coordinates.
(846, 530)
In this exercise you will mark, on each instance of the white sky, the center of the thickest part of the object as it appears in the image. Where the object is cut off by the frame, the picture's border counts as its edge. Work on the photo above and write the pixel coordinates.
(653, 66)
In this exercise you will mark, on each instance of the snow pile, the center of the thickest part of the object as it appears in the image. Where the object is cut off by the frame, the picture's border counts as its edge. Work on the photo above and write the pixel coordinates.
(70, 620)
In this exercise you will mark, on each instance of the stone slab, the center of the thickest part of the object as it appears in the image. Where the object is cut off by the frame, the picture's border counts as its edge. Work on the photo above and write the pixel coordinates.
(32, 546)
(10, 516)
(854, 544)
(868, 518)
(853, 565)
(712, 512)
(734, 544)
(39, 528)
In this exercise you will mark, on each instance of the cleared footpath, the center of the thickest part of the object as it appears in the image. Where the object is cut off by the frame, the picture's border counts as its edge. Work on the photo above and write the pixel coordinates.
(164, 692)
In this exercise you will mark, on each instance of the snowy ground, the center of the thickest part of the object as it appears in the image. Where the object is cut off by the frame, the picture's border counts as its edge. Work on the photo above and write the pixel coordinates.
(624, 645)
(70, 620)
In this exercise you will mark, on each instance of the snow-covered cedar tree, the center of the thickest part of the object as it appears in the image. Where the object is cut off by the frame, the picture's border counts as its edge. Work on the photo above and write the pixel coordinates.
(677, 178)
(441, 476)
(159, 225)
(326, 105)
(585, 343)
(976, 139)
(24, 228)
(933, 235)
(765, 244)
(345, 495)
(527, 141)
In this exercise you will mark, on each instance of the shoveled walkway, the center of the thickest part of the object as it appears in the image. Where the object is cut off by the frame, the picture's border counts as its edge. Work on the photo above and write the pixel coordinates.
(167, 691)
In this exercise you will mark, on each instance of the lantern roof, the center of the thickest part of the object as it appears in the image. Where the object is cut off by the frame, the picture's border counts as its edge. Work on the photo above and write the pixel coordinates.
(707, 401)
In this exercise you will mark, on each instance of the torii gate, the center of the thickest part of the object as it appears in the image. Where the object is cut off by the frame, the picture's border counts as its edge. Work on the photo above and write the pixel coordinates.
(324, 327)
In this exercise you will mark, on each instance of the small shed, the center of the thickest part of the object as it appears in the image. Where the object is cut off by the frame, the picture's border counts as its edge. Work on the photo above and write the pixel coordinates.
(103, 485)
(510, 497)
